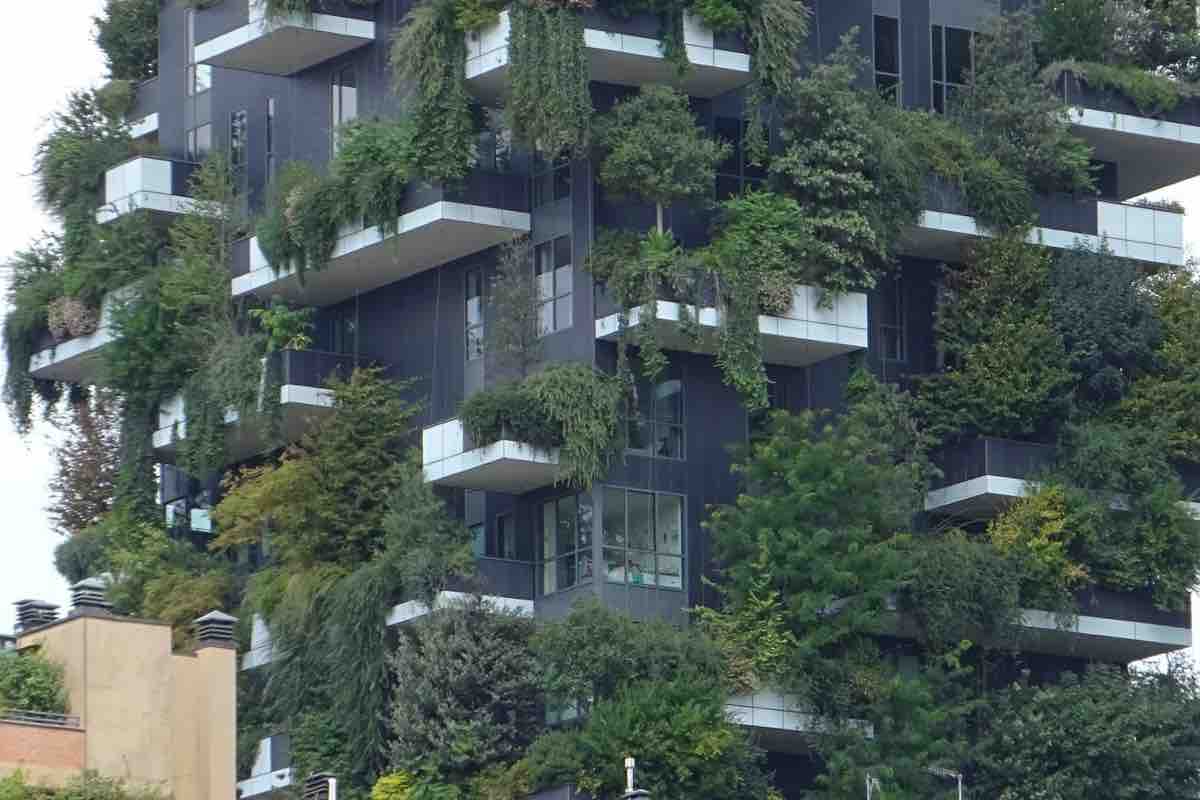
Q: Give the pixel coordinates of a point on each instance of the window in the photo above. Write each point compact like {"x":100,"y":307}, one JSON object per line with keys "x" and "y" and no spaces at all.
{"x":237,"y":150}
{"x":657,"y":427}
{"x":199,"y":76}
{"x":199,"y":142}
{"x":566,"y":543}
{"x":474,"y":315}
{"x":643,"y":538}
{"x":952,"y":50}
{"x":552,"y":271}
{"x":503,"y":541}
{"x":887,"y":56}
{"x":344,"y":94}
{"x":478,"y":540}
{"x":892,"y":330}
{"x":551,"y":181}
{"x":270,"y":139}
{"x":736,"y":174}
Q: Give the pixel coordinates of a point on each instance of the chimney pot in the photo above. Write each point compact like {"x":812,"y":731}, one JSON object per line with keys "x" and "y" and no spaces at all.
{"x":215,"y":629}
{"x":34,"y":614}
{"x":90,"y":596}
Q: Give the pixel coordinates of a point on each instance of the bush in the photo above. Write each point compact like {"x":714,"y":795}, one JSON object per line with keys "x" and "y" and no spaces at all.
{"x":128,"y":34}
{"x":31,"y":682}
{"x":571,"y":407}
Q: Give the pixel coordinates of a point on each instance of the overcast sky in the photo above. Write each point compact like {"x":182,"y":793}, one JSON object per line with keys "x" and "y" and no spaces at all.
{"x":46,"y":51}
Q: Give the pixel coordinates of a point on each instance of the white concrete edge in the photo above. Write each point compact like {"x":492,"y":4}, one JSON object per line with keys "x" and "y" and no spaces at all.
{"x":982,"y":486}
{"x":259,"y":27}
{"x":1134,"y":125}
{"x":144,"y":126}
{"x":480,"y":457}
{"x":147,"y":201}
{"x":289,"y":395}
{"x":263,"y":275}
{"x":708,"y":317}
{"x":1108,"y":628}
{"x":415,"y":609}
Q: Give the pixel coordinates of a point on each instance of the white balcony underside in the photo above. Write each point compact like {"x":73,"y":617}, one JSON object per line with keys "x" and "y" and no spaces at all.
{"x":145,"y":126}
{"x":80,"y":359}
{"x":505,"y":466}
{"x":781,"y":723}
{"x":619,"y":58}
{"x":286,"y":46}
{"x":1155,"y":238}
{"x":984,"y":496}
{"x":1150,"y":153}
{"x":154,"y":202}
{"x":808,"y":335}
{"x":365,"y":259}
{"x":300,"y":407}
{"x":262,"y":785}
{"x":1100,"y":638}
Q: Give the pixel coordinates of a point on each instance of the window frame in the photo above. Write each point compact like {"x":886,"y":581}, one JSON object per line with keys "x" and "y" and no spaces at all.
{"x":654,"y":422}
{"x":893,"y":332}
{"x":557,"y":297}
{"x":198,"y":77}
{"x":623,"y":551}
{"x":895,"y":87}
{"x":550,"y":181}
{"x":194,"y":151}
{"x":337,"y":115}
{"x":579,"y":560}
{"x":270,"y":139}
{"x":474,"y":331}
{"x":745,"y":175}
{"x":939,"y":58}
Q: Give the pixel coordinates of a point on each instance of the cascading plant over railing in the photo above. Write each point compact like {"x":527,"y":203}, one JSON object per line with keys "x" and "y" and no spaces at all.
{"x":572,"y":408}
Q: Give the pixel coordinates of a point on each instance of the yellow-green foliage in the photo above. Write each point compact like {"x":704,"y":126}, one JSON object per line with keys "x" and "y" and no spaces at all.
{"x":396,"y":786}
{"x":1038,"y":529}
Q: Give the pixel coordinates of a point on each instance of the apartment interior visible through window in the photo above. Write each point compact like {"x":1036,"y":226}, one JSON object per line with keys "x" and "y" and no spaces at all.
{"x":566,"y":542}
{"x":643,"y":538}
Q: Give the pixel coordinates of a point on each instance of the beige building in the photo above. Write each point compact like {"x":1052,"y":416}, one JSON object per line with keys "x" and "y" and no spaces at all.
{"x":138,"y":711}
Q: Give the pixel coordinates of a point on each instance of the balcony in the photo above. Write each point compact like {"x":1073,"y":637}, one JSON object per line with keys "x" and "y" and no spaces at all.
{"x":805,"y":335}
{"x":450,"y":459}
{"x":1150,"y":152}
{"x":79,"y":359}
{"x":301,"y":376}
{"x":272,"y":770}
{"x":283,"y":45}
{"x":143,"y":117}
{"x":438,"y":226}
{"x":981,"y":476}
{"x":781,"y":723}
{"x":147,"y":183}
{"x":621,"y":51}
{"x":1110,"y":626}
{"x":506,"y":585}
{"x":1150,"y":235}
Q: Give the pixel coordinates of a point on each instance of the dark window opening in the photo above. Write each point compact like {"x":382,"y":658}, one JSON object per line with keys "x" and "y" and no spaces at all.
{"x":554,"y":277}
{"x":474,"y":311}
{"x":887,"y":56}
{"x":893,"y":337}
{"x":953,"y":51}
{"x":551,"y":181}
{"x":566,"y":542}
{"x":656,"y":427}
{"x":344,"y":102}
{"x":736,"y":174}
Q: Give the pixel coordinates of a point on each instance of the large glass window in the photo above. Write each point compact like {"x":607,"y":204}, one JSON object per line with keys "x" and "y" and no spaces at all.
{"x":344,"y":101}
{"x":552,"y":269}
{"x":270,"y":139}
{"x":199,"y":142}
{"x":237,"y":150}
{"x":643,"y":538}
{"x":474,"y":310}
{"x":566,"y":542}
{"x":887,"y":56}
{"x":551,"y":181}
{"x":953,"y":60}
{"x":736,"y":173}
{"x":892,"y":330}
{"x":656,"y":427}
{"x":199,"y":76}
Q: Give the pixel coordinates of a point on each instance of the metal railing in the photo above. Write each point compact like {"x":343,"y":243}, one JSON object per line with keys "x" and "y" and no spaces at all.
{"x":987,"y":455}
{"x":39,"y":718}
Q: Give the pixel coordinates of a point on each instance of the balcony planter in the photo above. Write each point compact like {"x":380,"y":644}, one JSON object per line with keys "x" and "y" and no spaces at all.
{"x":621,"y":51}
{"x":287,"y":44}
{"x":508,"y":466}
{"x":78,"y":359}
{"x":807,"y":334}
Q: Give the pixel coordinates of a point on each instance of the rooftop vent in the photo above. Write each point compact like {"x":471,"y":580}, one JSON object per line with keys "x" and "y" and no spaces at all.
{"x":320,"y":786}
{"x":34,"y":613}
{"x":90,"y":594}
{"x":215,"y":628}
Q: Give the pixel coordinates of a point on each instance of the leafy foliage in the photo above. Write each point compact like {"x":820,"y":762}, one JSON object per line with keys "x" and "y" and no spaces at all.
{"x":511,"y":341}
{"x":88,"y":786}
{"x":654,"y":151}
{"x":300,"y":227}
{"x":466,"y":691}
{"x":1039,"y":531}
{"x":286,"y":328}
{"x":86,"y":463}
{"x":128,"y":34}
{"x":31,"y":682}
{"x":550,"y":106}
{"x":570,"y":407}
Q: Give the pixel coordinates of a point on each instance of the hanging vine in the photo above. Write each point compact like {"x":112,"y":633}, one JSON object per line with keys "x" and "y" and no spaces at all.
{"x":550,"y":107}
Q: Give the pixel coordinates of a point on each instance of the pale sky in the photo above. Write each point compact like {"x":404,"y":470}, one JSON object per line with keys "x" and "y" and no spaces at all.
{"x":46,"y":51}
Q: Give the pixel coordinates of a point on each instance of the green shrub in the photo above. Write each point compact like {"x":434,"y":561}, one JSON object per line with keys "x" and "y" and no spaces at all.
{"x":569,"y":406}
{"x":300,"y":226}
{"x":31,"y":682}
{"x":127,"y":33}
{"x":550,"y":106}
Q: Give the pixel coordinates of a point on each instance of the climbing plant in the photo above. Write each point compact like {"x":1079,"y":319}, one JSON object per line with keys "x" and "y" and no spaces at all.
{"x":549,"y":107}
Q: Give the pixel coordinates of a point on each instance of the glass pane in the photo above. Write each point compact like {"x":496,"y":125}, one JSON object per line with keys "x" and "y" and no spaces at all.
{"x":566,"y":572}
{"x":939,"y":101}
{"x":670,"y":572}
{"x":562,"y":280}
{"x":474,"y":310}
{"x":613,"y":520}
{"x":506,"y":538}
{"x":640,"y":436}
{"x":545,"y":285}
{"x":729,"y":129}
{"x":614,"y":565}
{"x":888,"y":86}
{"x":641,"y":521}
{"x":478,"y":540}
{"x":887,"y":44}
{"x":585,"y":566}
{"x":549,"y":529}
{"x":958,"y":55}
{"x":545,"y":318}
{"x":585,"y":520}
{"x":668,"y":441}
{"x":549,"y":578}
{"x":562,"y":182}
{"x":562,"y":313}
{"x":203,"y":141}
{"x":349,"y":96}
{"x":641,"y":568}
{"x":203,"y":78}
{"x":668,"y":401}
{"x":668,"y":524}
{"x":936,"y":50}
{"x":567,"y":514}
